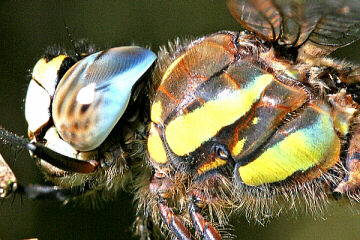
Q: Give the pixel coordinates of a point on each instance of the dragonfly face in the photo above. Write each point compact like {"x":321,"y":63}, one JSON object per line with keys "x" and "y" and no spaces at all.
{"x":71,"y":107}
{"x":75,"y":108}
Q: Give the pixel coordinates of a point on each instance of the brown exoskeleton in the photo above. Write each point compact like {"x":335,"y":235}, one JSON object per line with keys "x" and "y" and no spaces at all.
{"x":255,"y":120}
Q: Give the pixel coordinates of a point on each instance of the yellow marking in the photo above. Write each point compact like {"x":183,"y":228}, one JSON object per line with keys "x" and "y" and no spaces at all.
{"x":218,"y":162}
{"x":187,"y":132}
{"x":238,"y":147}
{"x":156,"y":111}
{"x":171,"y":67}
{"x":299,"y":151}
{"x":44,"y":70}
{"x":344,"y":127}
{"x":255,"y":120}
{"x":341,"y":125}
{"x":155,"y":146}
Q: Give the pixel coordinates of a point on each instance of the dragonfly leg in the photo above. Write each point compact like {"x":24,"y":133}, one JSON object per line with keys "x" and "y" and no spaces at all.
{"x":173,"y":222}
{"x":204,"y":228}
{"x":9,"y":185}
{"x":40,"y":192}
{"x":161,"y":185}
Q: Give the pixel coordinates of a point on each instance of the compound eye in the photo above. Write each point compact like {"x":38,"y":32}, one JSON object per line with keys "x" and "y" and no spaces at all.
{"x":94,"y":93}
{"x":222,"y":152}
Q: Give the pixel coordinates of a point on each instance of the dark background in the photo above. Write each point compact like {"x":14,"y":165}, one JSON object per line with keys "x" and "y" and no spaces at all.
{"x":28,"y":27}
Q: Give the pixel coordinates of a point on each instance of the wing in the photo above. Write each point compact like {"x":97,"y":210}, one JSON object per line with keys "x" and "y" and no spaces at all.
{"x":315,"y":27}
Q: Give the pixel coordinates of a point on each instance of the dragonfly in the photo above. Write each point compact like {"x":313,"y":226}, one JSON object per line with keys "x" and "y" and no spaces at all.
{"x":203,"y":169}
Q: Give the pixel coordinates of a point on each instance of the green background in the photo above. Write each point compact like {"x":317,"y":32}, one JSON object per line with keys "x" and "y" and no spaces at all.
{"x":28,"y":27}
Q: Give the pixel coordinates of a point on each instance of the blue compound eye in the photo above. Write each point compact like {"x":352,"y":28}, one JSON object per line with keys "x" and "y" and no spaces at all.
{"x":94,"y":93}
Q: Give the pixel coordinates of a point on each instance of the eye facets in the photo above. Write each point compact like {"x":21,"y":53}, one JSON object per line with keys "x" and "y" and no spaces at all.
{"x":91,"y":96}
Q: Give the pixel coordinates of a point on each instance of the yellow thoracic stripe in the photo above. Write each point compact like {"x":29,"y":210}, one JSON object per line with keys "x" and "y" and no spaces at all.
{"x":299,"y":151}
{"x":187,"y":132}
{"x":156,"y":111}
{"x":218,"y":162}
{"x":238,"y":147}
{"x":155,"y":146}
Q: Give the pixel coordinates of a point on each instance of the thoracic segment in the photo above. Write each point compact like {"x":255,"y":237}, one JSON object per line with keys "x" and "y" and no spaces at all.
{"x":277,"y":128}
{"x":308,"y":141}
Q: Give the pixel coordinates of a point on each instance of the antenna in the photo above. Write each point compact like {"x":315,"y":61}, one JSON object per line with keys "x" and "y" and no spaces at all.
{"x":77,"y":52}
